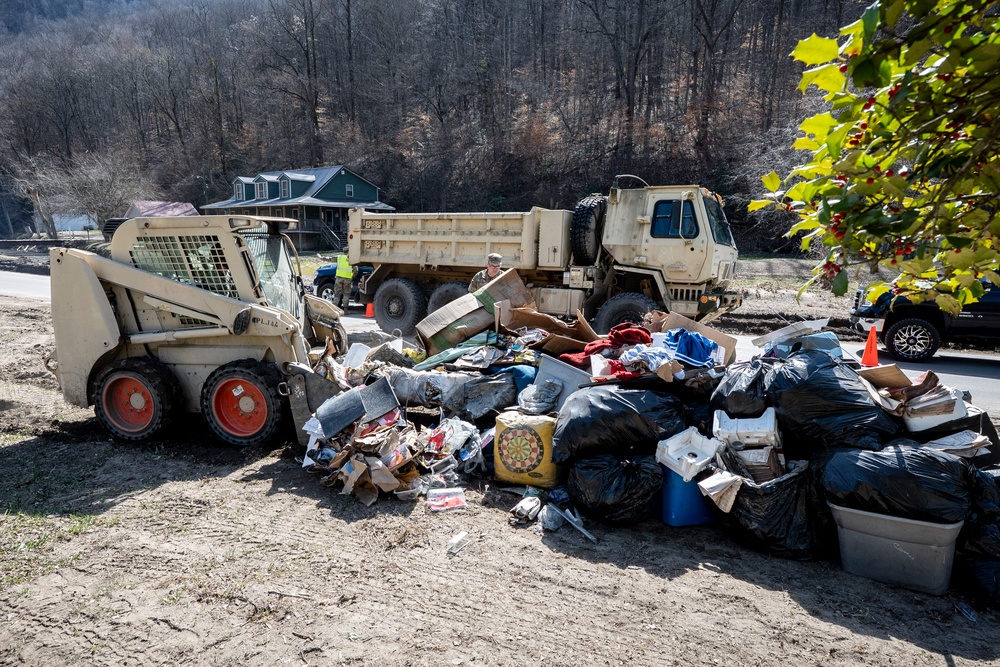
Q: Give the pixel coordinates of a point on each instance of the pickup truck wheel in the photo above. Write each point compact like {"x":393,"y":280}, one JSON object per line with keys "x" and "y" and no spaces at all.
{"x":134,"y":398}
{"x":325,"y":290}
{"x":587,"y":228}
{"x":446,"y":293}
{"x":399,"y":304}
{"x":627,"y":307}
{"x":241,"y":404}
{"x":912,"y":339}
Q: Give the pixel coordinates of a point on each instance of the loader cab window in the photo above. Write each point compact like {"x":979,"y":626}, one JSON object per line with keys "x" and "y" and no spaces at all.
{"x":275,"y":269}
{"x":721,"y":232}
{"x":673,"y":221}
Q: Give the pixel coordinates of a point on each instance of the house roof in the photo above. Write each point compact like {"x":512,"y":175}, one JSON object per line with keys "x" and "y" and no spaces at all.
{"x":318,"y":176}
{"x":150,"y":209}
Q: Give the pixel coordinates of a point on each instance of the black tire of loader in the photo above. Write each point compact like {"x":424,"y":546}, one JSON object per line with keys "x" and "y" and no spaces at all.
{"x":157,"y":379}
{"x":265,"y":378}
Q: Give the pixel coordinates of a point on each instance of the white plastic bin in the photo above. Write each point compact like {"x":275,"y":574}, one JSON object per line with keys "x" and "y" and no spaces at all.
{"x":914,"y":554}
{"x":752,"y":432}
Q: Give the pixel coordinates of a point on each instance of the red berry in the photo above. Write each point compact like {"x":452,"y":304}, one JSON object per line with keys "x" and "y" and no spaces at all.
{"x":863,"y":126}
{"x":870,"y":181}
{"x":843,"y":68}
{"x":888,"y":173}
{"x":893,"y":262}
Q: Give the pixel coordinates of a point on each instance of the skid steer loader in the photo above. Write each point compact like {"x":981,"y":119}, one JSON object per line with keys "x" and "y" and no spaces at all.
{"x":189,"y":314}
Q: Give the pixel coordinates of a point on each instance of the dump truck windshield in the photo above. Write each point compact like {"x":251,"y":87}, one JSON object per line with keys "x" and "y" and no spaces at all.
{"x":717,"y":220}
{"x":275,"y":269}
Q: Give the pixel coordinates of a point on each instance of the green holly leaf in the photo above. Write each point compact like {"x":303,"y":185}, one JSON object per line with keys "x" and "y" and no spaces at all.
{"x":772,"y":181}
{"x":814,"y":50}
{"x":840,"y":283}
{"x":758,"y":204}
{"x":827,"y":78}
{"x":949,"y":304}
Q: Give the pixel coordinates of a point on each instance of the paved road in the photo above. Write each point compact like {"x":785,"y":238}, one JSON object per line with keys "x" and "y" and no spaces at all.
{"x":977,"y":373}
{"x":25,"y":285}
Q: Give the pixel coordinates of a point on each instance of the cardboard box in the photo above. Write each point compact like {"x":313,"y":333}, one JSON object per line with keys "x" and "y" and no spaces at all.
{"x":454,"y":323}
{"x":666,"y":321}
{"x":512,"y":318}
{"x":885,"y":377}
{"x":505,"y":287}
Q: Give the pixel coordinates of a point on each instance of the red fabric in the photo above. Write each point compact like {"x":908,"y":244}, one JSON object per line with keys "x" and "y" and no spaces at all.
{"x":623,"y":334}
{"x":629,"y":333}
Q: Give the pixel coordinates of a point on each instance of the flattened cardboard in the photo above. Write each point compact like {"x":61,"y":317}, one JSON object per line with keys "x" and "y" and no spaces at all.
{"x":885,"y":377}
{"x":666,"y":371}
{"x":666,"y":321}
{"x":454,"y":323}
{"x":505,"y":287}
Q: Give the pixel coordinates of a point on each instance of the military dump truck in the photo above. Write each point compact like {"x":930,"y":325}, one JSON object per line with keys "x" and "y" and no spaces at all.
{"x":614,"y":257}
{"x":189,"y":314}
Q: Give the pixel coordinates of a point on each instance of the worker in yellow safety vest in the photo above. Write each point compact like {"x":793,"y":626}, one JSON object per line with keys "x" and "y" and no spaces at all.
{"x":342,"y":287}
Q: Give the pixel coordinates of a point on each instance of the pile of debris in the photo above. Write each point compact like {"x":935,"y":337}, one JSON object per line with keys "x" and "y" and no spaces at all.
{"x":796,"y":451}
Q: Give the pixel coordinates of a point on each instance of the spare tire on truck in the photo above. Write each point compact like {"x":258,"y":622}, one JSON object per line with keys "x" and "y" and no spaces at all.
{"x":400,"y":304}
{"x":587,"y":228}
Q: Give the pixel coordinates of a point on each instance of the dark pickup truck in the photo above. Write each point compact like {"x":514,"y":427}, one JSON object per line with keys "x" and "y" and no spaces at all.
{"x":914,"y":331}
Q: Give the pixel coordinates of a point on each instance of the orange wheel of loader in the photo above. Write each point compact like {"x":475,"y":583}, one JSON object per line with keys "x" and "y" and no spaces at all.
{"x":135,"y":397}
{"x":241,"y":404}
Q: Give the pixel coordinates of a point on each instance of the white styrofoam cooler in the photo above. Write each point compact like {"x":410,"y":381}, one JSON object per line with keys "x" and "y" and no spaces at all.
{"x":915,"y":424}
{"x":753,"y":432}
{"x":687,"y":453}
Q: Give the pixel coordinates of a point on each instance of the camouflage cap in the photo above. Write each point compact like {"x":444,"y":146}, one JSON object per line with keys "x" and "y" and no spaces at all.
{"x":494,"y":258}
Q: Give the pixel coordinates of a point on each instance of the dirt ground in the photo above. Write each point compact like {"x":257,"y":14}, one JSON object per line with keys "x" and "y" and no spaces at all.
{"x":182,"y":551}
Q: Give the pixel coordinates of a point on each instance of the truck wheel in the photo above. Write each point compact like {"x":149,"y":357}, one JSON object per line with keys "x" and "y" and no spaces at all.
{"x":241,"y":404}
{"x":134,"y":398}
{"x":912,"y":339}
{"x":325,"y":290}
{"x":587,"y":229}
{"x":446,"y":293}
{"x":627,"y":307}
{"x":399,"y":304}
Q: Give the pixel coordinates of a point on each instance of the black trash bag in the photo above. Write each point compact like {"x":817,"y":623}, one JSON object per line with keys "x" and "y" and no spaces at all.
{"x":613,"y":490}
{"x":918,"y":484}
{"x":701,"y":416}
{"x":980,"y":535}
{"x":775,"y":517}
{"x":610,"y":420}
{"x":980,"y":578}
{"x":821,"y":402}
{"x":743,"y":390}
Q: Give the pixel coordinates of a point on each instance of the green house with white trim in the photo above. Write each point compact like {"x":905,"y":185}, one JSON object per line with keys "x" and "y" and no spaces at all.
{"x":319,"y":198}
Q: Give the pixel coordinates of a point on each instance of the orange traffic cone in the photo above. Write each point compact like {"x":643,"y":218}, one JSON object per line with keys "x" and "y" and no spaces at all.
{"x":370,"y":310}
{"x":870,"y":357}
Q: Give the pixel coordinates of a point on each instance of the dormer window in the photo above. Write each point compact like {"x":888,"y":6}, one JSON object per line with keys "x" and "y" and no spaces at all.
{"x":261,"y":190}
{"x":238,"y":192}
{"x":350,"y":190}
{"x":286,"y":189}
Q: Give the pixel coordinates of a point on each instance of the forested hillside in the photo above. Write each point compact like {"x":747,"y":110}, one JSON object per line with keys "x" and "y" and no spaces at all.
{"x":447,"y":104}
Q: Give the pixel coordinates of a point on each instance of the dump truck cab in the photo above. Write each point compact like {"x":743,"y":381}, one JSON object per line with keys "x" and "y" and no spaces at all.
{"x":197,"y":314}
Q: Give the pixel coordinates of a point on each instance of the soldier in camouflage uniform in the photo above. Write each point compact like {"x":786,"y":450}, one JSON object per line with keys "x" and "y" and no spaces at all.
{"x":492,"y":270}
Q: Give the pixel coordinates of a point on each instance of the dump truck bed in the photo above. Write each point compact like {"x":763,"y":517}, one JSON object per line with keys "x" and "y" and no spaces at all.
{"x":538,"y":239}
